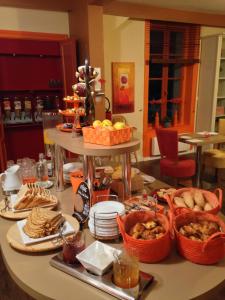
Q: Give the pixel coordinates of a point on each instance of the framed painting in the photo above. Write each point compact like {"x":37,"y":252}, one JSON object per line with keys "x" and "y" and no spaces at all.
{"x":122,"y":87}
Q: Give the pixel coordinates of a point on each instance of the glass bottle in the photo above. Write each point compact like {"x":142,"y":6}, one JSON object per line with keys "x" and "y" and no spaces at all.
{"x":42,"y":168}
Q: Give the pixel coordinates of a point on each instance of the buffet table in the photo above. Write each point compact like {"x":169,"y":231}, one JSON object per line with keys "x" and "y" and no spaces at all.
{"x":175,"y":278}
{"x":76,"y":145}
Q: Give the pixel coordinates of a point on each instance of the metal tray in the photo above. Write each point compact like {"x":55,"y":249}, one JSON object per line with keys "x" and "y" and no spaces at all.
{"x":102,"y":282}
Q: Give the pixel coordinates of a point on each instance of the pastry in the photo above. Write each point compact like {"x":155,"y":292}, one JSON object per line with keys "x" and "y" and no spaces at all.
{"x":31,"y":196}
{"x":42,"y":222}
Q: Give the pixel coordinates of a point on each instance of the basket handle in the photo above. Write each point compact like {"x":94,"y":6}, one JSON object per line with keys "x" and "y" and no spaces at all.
{"x":171,"y":219}
{"x":121,"y":227}
{"x":169,"y":201}
{"x":217,"y":234}
{"x":220,"y":196}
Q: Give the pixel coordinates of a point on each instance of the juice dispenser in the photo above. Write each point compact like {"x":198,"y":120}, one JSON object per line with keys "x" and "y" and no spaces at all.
{"x":17,"y":110}
{"x":39,"y":110}
{"x":27,"y":110}
{"x":7,"y":110}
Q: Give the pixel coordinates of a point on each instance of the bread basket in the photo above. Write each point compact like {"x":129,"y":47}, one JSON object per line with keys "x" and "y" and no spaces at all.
{"x":208,"y":252}
{"x":211,"y":197}
{"x":148,"y":251}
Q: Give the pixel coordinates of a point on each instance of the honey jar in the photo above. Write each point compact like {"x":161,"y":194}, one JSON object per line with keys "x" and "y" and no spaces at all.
{"x":126,"y":270}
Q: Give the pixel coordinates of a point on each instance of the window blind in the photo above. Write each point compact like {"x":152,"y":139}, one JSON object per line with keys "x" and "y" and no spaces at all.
{"x":173,"y":42}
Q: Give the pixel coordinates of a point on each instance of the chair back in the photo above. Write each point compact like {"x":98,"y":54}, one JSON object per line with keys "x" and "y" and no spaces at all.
{"x":168,"y":143}
{"x":222,"y":126}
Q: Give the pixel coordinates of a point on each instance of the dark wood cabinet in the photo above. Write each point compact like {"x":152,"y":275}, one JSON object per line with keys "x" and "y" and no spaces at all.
{"x":33,"y":68}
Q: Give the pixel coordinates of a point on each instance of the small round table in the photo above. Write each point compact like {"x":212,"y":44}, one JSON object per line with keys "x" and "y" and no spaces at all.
{"x":76,"y":145}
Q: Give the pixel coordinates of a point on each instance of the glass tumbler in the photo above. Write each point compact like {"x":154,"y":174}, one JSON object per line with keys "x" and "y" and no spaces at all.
{"x":126,"y":270}
{"x":72,"y":246}
{"x":28,"y":170}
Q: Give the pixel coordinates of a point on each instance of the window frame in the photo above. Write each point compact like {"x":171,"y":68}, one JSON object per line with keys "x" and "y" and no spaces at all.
{"x":188,"y":77}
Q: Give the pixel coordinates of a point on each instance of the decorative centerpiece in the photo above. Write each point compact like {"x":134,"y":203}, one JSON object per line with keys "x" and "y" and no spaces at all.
{"x":80,"y":110}
{"x":85,"y":90}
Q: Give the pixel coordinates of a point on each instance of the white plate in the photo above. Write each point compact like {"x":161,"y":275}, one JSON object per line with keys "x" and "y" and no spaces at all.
{"x":105,"y":234}
{"x":103,"y":223}
{"x":97,"y":257}
{"x":106,"y":169}
{"x":73,"y":166}
{"x":185,"y":137}
{"x":67,"y":229}
{"x":107,"y":209}
{"x":111,"y":230}
{"x":207,"y":133}
{"x":45,"y":184}
{"x":13,"y":200}
{"x":148,"y":178}
{"x":195,"y":141}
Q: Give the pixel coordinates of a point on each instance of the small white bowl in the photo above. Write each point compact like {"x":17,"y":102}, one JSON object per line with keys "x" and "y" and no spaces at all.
{"x":72,"y":166}
{"x":97,"y":258}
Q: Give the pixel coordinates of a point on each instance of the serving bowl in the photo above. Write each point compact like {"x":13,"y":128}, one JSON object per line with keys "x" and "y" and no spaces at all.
{"x":98,"y":257}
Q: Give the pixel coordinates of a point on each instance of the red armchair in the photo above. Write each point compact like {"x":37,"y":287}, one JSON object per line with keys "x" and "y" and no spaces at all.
{"x":170,"y":163}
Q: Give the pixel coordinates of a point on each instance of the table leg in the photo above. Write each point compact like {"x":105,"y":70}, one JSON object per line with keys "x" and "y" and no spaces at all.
{"x":59,"y":160}
{"x":126,"y":172}
{"x":198,"y":165}
{"x":88,"y":166}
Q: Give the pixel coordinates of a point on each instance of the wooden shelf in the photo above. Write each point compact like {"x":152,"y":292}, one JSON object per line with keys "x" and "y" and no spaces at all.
{"x":220,"y":116}
{"x":30,"y":55}
{"x":23,"y":125}
{"x":31,"y":91}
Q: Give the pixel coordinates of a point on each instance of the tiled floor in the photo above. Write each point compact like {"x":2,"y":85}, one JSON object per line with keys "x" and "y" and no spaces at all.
{"x":10,"y":291}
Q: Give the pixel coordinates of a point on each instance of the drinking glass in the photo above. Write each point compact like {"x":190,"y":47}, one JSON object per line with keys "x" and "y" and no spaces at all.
{"x":126,"y":270}
{"x":28,"y":170}
{"x":72,"y":246}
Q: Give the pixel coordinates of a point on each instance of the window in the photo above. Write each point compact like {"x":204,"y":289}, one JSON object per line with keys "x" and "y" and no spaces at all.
{"x":172,"y":48}
{"x":171,"y":69}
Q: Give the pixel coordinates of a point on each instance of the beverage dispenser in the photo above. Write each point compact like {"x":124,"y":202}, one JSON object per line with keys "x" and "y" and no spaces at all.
{"x":17,"y":110}
{"x":7,"y":110}
{"x":39,"y":110}
{"x":27,"y":110}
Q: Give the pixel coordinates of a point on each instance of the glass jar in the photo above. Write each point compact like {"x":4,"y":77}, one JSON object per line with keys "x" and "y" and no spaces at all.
{"x":126,"y":270}
{"x":72,"y":246}
{"x":42,"y":168}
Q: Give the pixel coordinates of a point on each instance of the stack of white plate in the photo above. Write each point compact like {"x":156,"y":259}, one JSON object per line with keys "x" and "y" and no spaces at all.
{"x":71,"y":167}
{"x":102,"y":219}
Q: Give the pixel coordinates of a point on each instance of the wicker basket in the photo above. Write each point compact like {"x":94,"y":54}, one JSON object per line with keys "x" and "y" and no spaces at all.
{"x":208,"y":252}
{"x":148,"y":251}
{"x":103,"y":136}
{"x":216,"y":202}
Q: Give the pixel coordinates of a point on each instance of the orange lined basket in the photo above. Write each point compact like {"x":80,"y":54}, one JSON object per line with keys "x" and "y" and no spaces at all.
{"x":76,"y":178}
{"x":103,"y":136}
{"x":208,"y":252}
{"x":216,"y":202}
{"x":100,"y":195}
{"x":148,"y":251}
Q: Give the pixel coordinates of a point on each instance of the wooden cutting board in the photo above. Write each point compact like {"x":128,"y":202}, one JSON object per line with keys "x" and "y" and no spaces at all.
{"x":14,"y":238}
{"x":19,"y":215}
